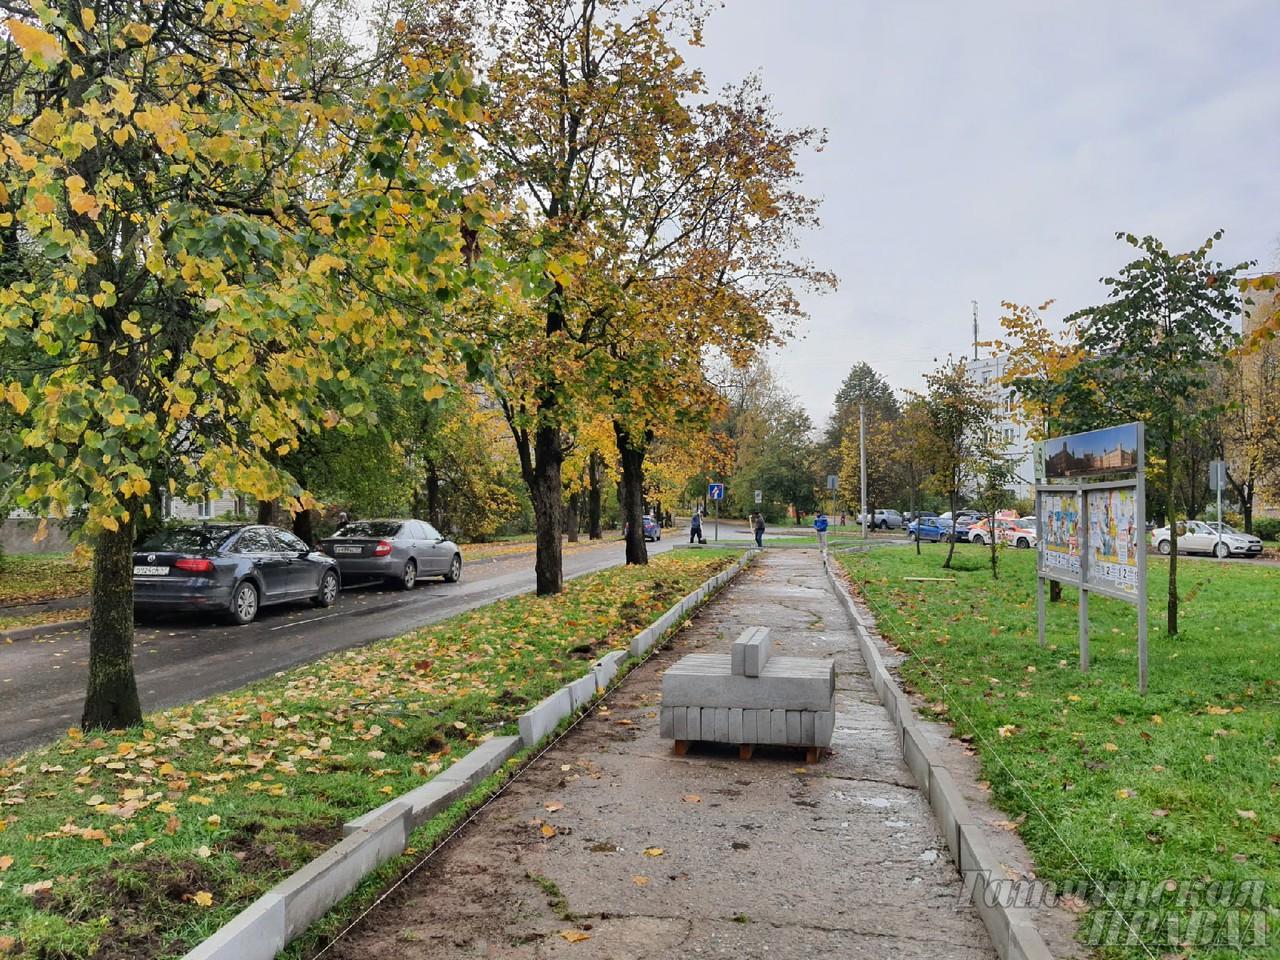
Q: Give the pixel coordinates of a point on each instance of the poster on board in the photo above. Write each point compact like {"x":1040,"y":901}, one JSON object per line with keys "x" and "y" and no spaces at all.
{"x":1060,"y":533}
{"x":1114,"y":539}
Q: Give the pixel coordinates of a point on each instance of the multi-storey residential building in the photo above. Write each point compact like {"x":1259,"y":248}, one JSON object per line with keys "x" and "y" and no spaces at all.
{"x":989,"y":372}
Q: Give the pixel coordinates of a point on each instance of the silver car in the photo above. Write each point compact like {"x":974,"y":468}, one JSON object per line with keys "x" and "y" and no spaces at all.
{"x":399,"y":551}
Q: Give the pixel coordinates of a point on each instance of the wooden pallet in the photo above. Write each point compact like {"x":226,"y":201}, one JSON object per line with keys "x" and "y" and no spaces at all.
{"x":811,"y":755}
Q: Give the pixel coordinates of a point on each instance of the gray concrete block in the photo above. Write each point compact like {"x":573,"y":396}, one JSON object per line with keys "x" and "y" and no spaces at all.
{"x":824,"y":727}
{"x":949,"y":808}
{"x":425,"y":801}
{"x":785,"y":683}
{"x":679,"y":724}
{"x":722,"y":725}
{"x":583,"y":690}
{"x":778,"y":726}
{"x":735,"y":725}
{"x":255,"y":933}
{"x":607,"y":667}
{"x":667,"y":723}
{"x":749,"y":727}
{"x":793,"y":727}
{"x":750,"y":652}
{"x":484,"y":760}
{"x":537,"y":723}
{"x":807,"y":733}
{"x":642,"y":641}
{"x":1025,"y":941}
{"x":979,"y":866}
{"x":918,"y":754}
{"x":312,"y":891}
{"x":693,"y":717}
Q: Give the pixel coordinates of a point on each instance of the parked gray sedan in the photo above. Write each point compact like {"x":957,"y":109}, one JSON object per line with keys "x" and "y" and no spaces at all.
{"x":400,"y":551}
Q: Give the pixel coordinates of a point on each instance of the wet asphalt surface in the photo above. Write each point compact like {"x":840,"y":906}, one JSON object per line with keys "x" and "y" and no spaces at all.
{"x":178,"y":659}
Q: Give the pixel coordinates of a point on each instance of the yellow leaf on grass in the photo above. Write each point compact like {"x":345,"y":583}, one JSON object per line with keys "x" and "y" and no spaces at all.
{"x":1247,"y":814}
{"x":1110,"y":747}
{"x":654,"y":851}
{"x":203,"y":899}
{"x":575,"y":936}
{"x":5,"y":863}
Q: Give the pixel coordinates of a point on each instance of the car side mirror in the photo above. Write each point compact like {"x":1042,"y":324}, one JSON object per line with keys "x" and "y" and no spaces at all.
{"x":303,"y":554}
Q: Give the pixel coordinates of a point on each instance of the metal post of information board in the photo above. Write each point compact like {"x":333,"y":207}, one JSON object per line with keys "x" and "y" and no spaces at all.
{"x":1040,"y":609}
{"x":1084,"y":579}
{"x":1140,"y":509}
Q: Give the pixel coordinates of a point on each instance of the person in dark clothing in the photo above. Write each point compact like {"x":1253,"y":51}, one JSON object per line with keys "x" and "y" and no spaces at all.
{"x":759,"y":530}
{"x":695,"y":527}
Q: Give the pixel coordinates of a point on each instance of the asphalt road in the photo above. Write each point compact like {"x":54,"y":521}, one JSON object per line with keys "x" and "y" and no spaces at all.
{"x":180,"y":659}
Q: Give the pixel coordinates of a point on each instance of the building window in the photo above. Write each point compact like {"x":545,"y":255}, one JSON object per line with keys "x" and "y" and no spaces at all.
{"x":204,"y":509}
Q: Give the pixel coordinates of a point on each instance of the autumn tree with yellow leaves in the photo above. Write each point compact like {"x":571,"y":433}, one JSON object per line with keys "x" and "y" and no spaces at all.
{"x":217,"y":233}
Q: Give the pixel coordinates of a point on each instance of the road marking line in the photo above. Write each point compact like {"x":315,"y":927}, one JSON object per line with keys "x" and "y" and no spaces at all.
{"x":298,"y":623}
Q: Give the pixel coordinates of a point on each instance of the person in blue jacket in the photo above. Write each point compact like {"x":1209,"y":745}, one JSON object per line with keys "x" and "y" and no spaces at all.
{"x":820,"y":526}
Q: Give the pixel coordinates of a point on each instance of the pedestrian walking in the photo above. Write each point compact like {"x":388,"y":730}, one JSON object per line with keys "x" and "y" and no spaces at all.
{"x":695,"y":527}
{"x":820,"y":527}
{"x":842,"y":518}
{"x":759,"y":530}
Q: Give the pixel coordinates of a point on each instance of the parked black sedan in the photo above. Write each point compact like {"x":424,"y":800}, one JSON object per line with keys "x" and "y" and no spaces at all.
{"x":229,"y":569}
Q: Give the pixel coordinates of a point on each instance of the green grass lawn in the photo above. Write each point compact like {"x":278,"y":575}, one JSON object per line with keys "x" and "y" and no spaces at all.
{"x":140,"y":844}
{"x":27,"y":578}
{"x":1177,"y":788}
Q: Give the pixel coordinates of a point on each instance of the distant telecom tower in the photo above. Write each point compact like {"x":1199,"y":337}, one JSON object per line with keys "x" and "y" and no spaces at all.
{"x":975,"y":328}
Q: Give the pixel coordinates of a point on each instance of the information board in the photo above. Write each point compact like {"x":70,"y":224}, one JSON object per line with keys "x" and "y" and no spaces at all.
{"x":1114,"y":539}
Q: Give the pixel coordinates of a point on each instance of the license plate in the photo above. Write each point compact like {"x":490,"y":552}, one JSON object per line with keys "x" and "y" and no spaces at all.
{"x":143,"y":571}
{"x":347,"y":549}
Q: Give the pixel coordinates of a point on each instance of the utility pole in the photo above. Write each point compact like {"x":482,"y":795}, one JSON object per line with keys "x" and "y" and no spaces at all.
{"x":975,"y":328}
{"x":862,"y":458}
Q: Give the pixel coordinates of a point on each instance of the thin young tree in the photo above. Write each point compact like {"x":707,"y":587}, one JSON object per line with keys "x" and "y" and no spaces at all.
{"x":1152,"y":348}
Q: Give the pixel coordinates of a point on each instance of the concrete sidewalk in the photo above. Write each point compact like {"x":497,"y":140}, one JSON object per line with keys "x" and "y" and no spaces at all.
{"x":657,"y":856}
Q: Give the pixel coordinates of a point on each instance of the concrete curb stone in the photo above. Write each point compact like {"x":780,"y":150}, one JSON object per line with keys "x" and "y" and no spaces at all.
{"x":255,"y":933}
{"x":1012,"y":931}
{"x":545,"y":717}
{"x":40,"y":629}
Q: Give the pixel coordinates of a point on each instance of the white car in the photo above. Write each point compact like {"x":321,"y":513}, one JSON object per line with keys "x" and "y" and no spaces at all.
{"x":884,"y":520}
{"x":1195,"y":536}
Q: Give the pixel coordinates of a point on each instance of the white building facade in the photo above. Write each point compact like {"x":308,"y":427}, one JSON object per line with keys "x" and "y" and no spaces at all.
{"x":989,"y":372}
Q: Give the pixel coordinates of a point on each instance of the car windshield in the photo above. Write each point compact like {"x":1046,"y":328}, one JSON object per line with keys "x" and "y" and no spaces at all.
{"x":187,"y":539}
{"x":370,"y":528}
{"x":1227,"y":528}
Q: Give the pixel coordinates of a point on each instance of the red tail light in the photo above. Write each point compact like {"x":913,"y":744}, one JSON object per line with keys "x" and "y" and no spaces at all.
{"x":194,"y":565}
{"x":383,"y":549}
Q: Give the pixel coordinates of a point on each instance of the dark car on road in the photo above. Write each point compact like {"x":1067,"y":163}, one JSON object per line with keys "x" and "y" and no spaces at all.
{"x":229,"y":569}
{"x":399,"y":551}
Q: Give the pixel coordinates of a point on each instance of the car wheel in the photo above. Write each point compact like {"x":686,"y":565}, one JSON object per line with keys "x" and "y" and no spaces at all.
{"x":1221,"y":550}
{"x":1023,"y":543}
{"x":244,"y":604}
{"x":1163,"y":547}
{"x":455,"y":570}
{"x":977,"y":538}
{"x":328,"y":594}
{"x":408,"y":576}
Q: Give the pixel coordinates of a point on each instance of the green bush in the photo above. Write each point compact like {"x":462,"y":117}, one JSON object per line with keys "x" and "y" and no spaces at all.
{"x":1268,"y":528}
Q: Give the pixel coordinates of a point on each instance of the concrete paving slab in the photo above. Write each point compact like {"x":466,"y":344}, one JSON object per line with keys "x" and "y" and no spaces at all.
{"x":766,"y":858}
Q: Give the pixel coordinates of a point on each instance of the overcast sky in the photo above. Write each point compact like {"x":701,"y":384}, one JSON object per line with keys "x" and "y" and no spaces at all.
{"x":989,"y":151}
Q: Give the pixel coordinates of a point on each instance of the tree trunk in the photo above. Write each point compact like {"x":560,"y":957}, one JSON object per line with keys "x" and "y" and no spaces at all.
{"x":571,"y":516}
{"x":266,"y":511}
{"x":433,"y":496}
{"x":595,"y":476}
{"x":1173,"y":535}
{"x":546,"y":492}
{"x":951,"y":540}
{"x":1246,"y":508}
{"x":111,"y":700}
{"x":632,"y":495}
{"x":304,"y":526}
{"x":915,"y":519}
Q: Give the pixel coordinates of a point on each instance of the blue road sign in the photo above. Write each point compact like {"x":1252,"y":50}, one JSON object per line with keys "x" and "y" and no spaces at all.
{"x":715,"y":491}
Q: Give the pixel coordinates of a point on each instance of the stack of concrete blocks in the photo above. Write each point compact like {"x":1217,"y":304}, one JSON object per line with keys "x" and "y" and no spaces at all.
{"x":749,"y":697}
